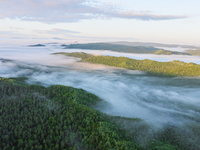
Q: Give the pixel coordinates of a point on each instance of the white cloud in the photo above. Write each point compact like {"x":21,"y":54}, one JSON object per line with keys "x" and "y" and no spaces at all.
{"x":50,"y":11}
{"x":16,"y":28}
{"x":145,"y":16}
{"x":11,"y":33}
{"x":56,"y":31}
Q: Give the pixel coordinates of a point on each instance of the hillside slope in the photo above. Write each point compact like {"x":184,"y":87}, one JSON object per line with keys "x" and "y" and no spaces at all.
{"x":62,"y":118}
{"x":173,"y":68}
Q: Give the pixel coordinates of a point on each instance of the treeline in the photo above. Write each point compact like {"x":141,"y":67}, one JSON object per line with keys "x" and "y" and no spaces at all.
{"x":33,"y":117}
{"x":75,"y":54}
{"x":169,"y":69}
{"x":167,"y":52}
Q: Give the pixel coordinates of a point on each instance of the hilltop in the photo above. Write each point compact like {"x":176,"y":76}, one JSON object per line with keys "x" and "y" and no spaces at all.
{"x":170,"y":69}
{"x":37,"y":45}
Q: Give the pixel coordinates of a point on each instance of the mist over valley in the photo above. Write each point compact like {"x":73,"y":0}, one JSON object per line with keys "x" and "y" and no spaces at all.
{"x":99,"y":75}
{"x":161,"y":102}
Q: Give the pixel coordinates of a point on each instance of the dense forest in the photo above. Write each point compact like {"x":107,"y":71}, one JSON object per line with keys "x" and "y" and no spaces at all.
{"x":123,"y":48}
{"x":170,"y":69}
{"x":58,"y":117}
{"x":61,"y":117}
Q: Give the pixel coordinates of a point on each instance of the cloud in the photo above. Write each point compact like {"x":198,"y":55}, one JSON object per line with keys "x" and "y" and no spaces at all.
{"x":52,"y":36}
{"x":11,"y":33}
{"x":56,"y":38}
{"x":145,"y":16}
{"x":35,"y":38}
{"x":50,"y":11}
{"x":56,"y":31}
{"x":16,"y":28}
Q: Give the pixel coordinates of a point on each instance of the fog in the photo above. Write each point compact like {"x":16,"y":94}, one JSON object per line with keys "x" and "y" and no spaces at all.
{"x":175,"y":49}
{"x":129,"y":93}
{"x":161,"y":58}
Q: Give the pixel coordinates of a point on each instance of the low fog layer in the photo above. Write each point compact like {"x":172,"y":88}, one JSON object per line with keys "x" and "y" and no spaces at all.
{"x":175,"y":49}
{"x":161,"y":58}
{"x":129,"y":93}
{"x":36,"y":54}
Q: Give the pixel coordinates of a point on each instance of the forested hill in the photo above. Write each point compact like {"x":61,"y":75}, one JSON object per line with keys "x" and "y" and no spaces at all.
{"x":122,"y":48}
{"x":173,"y":68}
{"x":33,"y":117}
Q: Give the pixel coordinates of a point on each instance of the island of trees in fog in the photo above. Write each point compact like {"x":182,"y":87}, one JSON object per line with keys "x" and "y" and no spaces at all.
{"x":170,"y":69}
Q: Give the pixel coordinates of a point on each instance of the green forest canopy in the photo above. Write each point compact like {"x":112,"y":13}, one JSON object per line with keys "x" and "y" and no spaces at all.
{"x":62,"y":118}
{"x":172,"y":68}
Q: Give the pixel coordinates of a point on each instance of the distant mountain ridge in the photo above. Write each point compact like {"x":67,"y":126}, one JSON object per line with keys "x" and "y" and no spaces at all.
{"x":194,"y":52}
{"x":122,"y":48}
{"x":37,"y":45}
{"x":154,"y":44}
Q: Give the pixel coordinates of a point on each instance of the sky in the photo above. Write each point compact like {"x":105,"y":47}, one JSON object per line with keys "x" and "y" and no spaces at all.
{"x":82,"y":21}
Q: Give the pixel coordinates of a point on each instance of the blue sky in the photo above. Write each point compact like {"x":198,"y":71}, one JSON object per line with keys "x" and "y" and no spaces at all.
{"x":65,"y":21}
